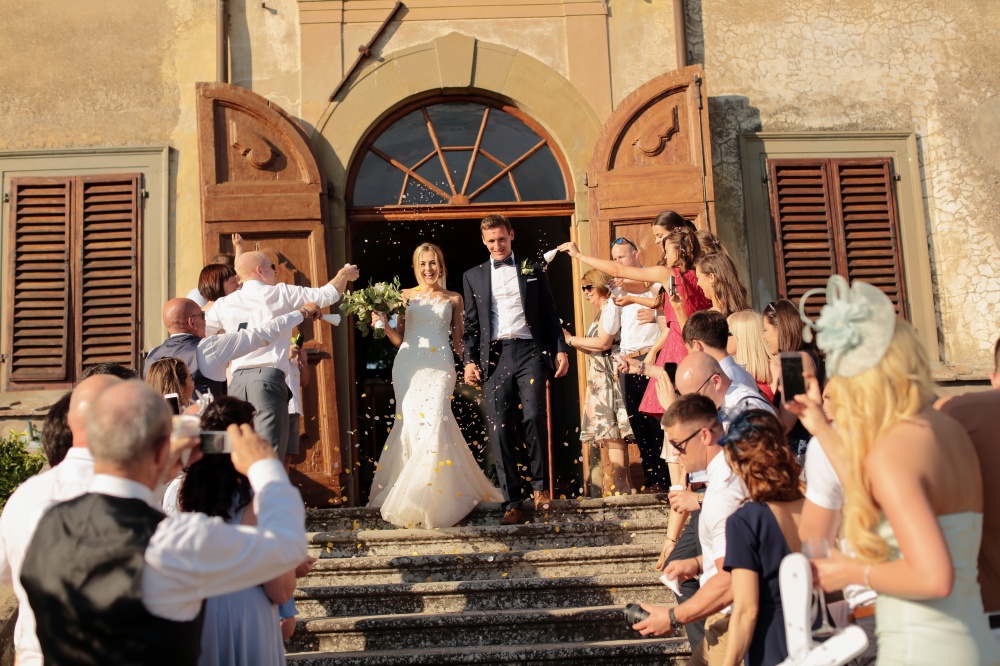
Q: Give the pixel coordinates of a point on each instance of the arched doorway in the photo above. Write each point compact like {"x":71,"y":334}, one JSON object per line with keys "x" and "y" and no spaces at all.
{"x":430,"y":171}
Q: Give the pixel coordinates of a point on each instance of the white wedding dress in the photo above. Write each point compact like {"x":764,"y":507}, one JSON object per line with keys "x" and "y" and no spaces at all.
{"x":426,"y":475}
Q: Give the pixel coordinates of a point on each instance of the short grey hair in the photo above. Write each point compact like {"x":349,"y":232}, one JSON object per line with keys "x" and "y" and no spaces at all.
{"x":125,"y":423}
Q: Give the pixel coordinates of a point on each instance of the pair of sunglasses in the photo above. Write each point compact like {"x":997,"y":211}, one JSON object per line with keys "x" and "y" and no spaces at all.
{"x":587,"y":288}
{"x":622,"y":241}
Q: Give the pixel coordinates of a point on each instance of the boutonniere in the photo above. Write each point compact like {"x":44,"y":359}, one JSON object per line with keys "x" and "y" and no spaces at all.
{"x":526,"y":268}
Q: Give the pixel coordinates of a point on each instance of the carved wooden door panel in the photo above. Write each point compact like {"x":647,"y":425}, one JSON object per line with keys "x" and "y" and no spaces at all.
{"x":259,"y":178}
{"x":653,"y":154}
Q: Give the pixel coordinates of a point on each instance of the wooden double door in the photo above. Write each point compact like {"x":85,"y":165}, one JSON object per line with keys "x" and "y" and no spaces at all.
{"x":260,"y":179}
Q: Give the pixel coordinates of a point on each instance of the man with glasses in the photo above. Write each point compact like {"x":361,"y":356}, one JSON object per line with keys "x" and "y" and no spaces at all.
{"x":700,"y":373}
{"x":692,"y":426}
{"x":260,"y":376}
{"x":638,"y":333}
{"x":206,"y":358}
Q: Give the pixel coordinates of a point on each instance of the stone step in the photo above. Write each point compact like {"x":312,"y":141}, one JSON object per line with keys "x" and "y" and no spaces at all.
{"x":482,"y":595}
{"x":672,"y":651}
{"x":498,"y":538}
{"x":483,"y":566}
{"x":625,"y":507}
{"x":419,"y":631}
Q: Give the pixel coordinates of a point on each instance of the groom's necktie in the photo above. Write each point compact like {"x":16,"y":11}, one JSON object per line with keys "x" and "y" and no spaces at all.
{"x":509,"y":261}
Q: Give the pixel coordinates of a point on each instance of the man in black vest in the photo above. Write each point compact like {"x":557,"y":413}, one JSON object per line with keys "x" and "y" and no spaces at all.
{"x":206,"y":358}
{"x":513,"y":344}
{"x":112,"y":580}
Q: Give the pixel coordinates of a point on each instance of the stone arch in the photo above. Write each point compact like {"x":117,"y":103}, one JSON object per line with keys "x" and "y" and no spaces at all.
{"x":461,"y":64}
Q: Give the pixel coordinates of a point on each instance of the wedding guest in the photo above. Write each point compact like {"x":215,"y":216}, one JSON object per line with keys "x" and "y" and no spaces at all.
{"x":113,"y":369}
{"x":216,"y":281}
{"x":207,"y":356}
{"x":977,"y":411}
{"x":914,"y":510}
{"x":710,"y":243}
{"x":693,"y":428}
{"x":171,"y":375}
{"x":57,"y":438}
{"x":298,"y":376}
{"x":637,"y":338}
{"x":259,"y":377}
{"x":139,"y":579}
{"x":759,"y":535}
{"x":708,"y":331}
{"x":749,"y":349}
{"x":604,"y":419}
{"x":224,"y":259}
{"x":666,"y":222}
{"x":240,"y":627}
{"x":718,"y":280}
{"x":700,"y":373}
{"x":26,"y":506}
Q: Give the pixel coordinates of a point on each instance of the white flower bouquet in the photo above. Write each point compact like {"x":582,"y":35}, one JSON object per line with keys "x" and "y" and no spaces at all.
{"x":382,"y":297}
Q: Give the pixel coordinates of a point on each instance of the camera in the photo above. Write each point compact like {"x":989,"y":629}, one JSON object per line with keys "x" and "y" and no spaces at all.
{"x":634,"y":613}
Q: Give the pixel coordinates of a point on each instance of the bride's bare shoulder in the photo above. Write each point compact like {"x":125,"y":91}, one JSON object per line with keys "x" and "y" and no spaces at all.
{"x":453,"y":296}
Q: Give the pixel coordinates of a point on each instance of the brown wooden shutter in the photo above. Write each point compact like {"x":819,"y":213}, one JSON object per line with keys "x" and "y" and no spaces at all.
{"x":835,"y":216}
{"x":870,"y":223}
{"x":107,"y":290}
{"x":802,"y":212}
{"x":38,"y":285}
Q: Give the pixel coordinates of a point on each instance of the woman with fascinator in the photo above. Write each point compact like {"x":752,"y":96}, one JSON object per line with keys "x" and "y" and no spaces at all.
{"x":914,"y":511}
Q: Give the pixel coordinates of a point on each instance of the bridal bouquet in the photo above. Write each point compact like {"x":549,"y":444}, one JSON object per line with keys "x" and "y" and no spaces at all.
{"x":379,"y":297}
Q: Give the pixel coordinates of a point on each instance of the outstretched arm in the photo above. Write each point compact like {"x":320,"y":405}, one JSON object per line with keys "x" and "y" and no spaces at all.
{"x":659,"y":274}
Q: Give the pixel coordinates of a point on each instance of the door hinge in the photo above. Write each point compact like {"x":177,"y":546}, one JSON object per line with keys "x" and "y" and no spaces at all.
{"x":697,"y":91}
{"x":3,"y":358}
{"x":6,"y":197}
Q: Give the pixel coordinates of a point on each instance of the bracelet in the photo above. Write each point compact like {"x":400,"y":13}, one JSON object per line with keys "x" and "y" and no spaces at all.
{"x":671,"y":540}
{"x":868,"y":583}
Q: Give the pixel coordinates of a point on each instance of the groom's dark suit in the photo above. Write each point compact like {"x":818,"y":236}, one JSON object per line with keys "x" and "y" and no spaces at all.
{"x":513,"y":370}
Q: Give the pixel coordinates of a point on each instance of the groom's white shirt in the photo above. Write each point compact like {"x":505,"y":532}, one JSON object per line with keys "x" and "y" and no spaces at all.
{"x":507,"y":320}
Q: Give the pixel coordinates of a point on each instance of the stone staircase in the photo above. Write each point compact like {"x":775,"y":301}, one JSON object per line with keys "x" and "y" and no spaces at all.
{"x":550,"y":591}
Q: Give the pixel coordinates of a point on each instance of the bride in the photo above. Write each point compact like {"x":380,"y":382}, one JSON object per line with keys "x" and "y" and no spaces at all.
{"x":426,"y":475}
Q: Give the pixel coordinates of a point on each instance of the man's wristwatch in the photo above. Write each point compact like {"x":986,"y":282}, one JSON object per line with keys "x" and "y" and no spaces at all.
{"x":675,"y":626}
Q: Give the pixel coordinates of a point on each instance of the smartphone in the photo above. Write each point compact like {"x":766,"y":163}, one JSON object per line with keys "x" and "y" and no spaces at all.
{"x":216,"y":441}
{"x":671,"y":369}
{"x":792,"y":382}
{"x":672,"y":286}
{"x":242,"y":326}
{"x":174,"y":401}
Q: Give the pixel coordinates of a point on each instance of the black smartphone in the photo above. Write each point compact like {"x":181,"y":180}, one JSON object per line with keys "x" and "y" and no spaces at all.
{"x":672,"y":286}
{"x":216,"y":441}
{"x":174,"y":401}
{"x":671,"y":369}
{"x":242,"y":325}
{"x":792,"y":382}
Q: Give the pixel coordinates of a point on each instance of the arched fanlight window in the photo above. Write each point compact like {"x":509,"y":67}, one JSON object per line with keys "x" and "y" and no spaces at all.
{"x":457,"y":153}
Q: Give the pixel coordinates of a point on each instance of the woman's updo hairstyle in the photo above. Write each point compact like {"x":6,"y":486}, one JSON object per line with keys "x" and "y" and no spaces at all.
{"x":757,"y":452}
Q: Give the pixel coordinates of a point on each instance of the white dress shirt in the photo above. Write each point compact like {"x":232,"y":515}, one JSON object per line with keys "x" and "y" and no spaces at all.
{"x":70,"y":478}
{"x":216,"y":351}
{"x":724,"y":494}
{"x":195,"y":295}
{"x":507,"y":321}
{"x":823,"y":488}
{"x":738,"y":374}
{"x":192,"y":557}
{"x":740,"y":398}
{"x":637,"y":335}
{"x":256,"y":304}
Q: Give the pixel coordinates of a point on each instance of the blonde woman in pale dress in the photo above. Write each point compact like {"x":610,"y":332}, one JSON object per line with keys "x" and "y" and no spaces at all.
{"x":426,"y":476}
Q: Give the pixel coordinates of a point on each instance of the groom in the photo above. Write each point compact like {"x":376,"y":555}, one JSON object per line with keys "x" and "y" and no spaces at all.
{"x":513,"y":342}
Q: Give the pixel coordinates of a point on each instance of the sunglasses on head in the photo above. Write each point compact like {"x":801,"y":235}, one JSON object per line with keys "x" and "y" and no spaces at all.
{"x":622,"y":241}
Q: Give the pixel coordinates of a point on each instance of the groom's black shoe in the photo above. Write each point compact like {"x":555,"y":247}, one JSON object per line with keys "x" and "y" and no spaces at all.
{"x":512,"y":517}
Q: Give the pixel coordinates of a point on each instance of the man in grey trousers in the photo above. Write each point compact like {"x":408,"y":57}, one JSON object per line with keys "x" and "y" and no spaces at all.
{"x":259,"y":377}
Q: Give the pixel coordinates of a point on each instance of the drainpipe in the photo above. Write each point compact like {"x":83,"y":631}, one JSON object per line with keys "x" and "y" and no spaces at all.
{"x":221,"y":64}
{"x":680,"y":34}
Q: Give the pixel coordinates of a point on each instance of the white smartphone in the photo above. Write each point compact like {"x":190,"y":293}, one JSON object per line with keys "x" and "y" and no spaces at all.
{"x":216,"y":441}
{"x":174,"y":401}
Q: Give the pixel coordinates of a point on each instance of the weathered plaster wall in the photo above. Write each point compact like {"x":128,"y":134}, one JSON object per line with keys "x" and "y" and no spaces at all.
{"x":927,"y":66}
{"x":641,"y":36}
{"x":264,"y":50}
{"x":111,"y":73}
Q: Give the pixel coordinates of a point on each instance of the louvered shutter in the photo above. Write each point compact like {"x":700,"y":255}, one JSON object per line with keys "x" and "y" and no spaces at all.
{"x":107,"y":288}
{"x":804,"y":237}
{"x":38,"y":288}
{"x":870,"y":223}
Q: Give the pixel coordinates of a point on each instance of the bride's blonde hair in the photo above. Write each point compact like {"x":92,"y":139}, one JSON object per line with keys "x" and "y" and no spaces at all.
{"x":865,"y":408}
{"x":442,"y":269}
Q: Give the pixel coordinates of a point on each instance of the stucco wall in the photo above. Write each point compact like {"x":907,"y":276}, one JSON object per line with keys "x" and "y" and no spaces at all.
{"x":925,"y":66}
{"x":111,"y":73}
